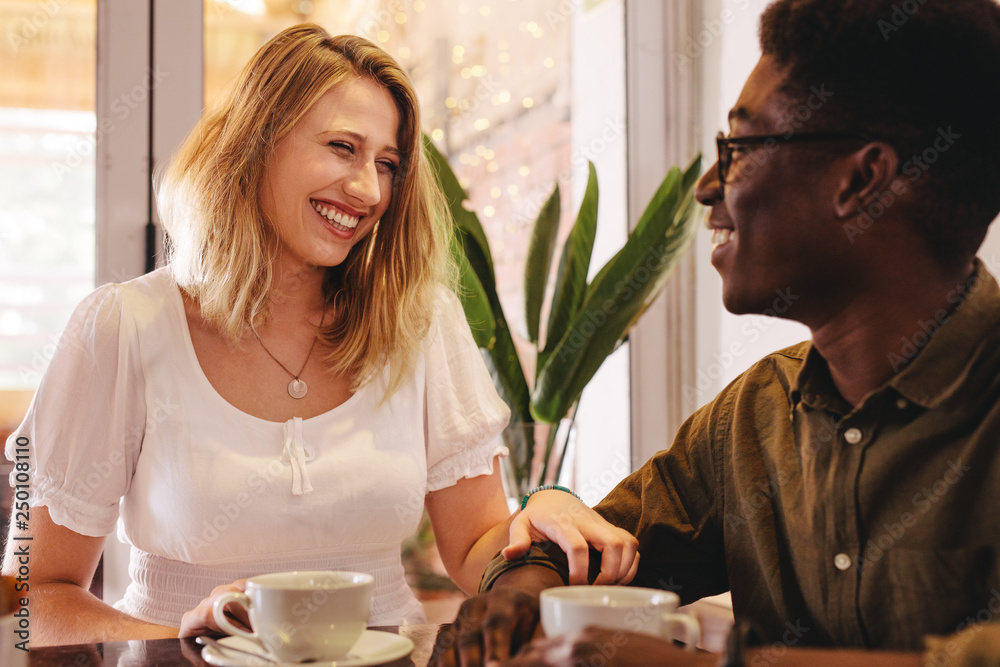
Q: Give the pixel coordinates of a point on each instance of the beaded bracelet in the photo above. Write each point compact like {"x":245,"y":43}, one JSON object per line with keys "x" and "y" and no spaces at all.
{"x":546,"y":487}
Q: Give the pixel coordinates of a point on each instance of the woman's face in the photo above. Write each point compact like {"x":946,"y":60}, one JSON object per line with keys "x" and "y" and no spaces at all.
{"x":330,"y":178}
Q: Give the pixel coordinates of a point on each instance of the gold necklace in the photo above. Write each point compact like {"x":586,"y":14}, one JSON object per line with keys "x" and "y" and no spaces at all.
{"x":296,"y":388}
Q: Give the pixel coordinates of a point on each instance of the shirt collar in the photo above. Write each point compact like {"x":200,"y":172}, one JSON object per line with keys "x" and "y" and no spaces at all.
{"x":814,"y":387}
{"x":934,"y":360}
{"x":943,"y":350}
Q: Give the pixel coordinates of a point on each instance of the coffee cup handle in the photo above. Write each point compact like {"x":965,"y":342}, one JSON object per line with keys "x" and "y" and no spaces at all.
{"x":219,"y":613}
{"x":692,"y":634}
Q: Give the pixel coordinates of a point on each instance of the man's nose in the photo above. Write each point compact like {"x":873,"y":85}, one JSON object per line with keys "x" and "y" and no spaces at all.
{"x":708,"y":190}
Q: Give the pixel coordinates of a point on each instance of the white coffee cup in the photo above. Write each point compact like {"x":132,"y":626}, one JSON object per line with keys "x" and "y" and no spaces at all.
{"x":569,"y":609}
{"x":302,"y":616}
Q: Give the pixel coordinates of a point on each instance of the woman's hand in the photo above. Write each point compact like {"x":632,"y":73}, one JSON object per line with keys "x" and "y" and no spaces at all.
{"x":201,"y":619}
{"x":559,"y":517}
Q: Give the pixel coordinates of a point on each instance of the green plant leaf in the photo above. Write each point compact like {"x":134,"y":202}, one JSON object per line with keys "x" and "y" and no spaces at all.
{"x":465,"y":220}
{"x":502,"y":358}
{"x":571,"y":278}
{"x":475,"y":302}
{"x":621,"y":291}
{"x":536,"y":266}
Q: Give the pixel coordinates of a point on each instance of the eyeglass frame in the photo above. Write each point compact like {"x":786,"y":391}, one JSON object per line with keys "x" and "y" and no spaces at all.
{"x":724,"y":145}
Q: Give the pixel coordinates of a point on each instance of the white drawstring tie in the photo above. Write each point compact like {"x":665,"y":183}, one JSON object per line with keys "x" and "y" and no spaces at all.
{"x":296,"y":454}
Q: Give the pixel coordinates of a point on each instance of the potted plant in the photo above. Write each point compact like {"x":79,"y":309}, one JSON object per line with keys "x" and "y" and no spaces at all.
{"x":586,"y":321}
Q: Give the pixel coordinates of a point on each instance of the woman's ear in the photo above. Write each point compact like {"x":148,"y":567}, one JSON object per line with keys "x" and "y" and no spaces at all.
{"x":870,"y":173}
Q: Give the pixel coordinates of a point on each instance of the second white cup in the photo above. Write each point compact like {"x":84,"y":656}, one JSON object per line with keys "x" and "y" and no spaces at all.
{"x":569,"y":609}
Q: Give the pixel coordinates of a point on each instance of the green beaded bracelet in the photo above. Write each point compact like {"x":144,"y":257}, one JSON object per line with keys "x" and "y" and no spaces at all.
{"x":546,"y":487}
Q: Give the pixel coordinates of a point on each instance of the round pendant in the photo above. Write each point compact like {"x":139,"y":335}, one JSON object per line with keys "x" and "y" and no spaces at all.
{"x":297,"y":388}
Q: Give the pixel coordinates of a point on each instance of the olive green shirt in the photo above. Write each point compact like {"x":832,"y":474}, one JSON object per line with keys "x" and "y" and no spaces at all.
{"x":871,"y":526}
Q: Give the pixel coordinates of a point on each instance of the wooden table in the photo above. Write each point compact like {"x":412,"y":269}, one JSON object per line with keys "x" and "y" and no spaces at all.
{"x":169,"y":652}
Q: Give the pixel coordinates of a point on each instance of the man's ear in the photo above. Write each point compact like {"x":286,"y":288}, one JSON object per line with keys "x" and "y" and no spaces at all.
{"x":870,"y":173}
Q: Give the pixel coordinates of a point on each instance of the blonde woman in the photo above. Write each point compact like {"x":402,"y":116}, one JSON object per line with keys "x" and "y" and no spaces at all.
{"x":294,"y":387}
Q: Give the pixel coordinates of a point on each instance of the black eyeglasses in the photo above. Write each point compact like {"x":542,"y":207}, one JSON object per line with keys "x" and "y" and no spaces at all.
{"x":725,"y":145}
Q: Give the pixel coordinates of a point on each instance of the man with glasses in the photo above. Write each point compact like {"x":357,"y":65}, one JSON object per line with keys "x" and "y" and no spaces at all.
{"x":842,"y":489}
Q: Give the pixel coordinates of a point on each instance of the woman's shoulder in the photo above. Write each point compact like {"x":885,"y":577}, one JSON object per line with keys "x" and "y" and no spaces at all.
{"x":447,"y":314}
{"x":144,"y":298}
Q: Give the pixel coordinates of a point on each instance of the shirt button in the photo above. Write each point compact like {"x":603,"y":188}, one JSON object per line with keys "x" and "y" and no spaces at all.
{"x":853,"y":435}
{"x":902,"y":404}
{"x":842,"y":561}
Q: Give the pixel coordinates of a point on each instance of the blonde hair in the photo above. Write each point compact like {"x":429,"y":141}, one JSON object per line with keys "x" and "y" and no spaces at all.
{"x":221,"y":247}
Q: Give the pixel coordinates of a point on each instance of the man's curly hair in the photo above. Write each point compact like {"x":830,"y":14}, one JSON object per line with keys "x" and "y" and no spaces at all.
{"x":907,"y":71}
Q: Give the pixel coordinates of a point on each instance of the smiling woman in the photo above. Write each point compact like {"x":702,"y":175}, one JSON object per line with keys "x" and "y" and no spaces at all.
{"x":302,"y":218}
{"x":334,"y":168}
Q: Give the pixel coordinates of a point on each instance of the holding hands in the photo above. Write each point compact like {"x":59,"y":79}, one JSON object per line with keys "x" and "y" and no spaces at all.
{"x":559,"y":517}
{"x":495,"y":626}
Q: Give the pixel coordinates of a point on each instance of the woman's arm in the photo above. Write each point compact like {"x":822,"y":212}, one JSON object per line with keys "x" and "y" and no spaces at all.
{"x":470,"y":520}
{"x":472,"y":523}
{"x":61,"y":566}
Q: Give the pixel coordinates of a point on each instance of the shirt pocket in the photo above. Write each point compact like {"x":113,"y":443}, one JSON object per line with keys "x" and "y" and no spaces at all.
{"x":909,"y":593}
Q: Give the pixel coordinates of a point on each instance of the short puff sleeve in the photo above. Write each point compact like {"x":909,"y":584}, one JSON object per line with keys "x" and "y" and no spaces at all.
{"x":84,"y":427}
{"x":465,"y":415}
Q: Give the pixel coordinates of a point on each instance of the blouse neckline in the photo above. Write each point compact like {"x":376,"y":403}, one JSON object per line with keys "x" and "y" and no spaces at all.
{"x":199,"y":372}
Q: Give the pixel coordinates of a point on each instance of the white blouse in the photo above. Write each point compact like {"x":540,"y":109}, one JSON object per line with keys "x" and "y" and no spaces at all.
{"x":126,"y":428}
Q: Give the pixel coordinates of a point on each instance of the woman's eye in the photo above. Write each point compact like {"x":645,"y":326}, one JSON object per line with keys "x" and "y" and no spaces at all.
{"x":342,"y":146}
{"x":387,"y":166}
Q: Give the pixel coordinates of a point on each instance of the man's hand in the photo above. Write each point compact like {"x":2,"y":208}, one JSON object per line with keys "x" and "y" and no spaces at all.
{"x":559,"y":517}
{"x":612,"y":648}
{"x":488,"y":630}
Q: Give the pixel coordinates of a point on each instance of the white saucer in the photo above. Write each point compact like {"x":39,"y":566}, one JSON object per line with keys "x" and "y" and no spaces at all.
{"x":373,"y":648}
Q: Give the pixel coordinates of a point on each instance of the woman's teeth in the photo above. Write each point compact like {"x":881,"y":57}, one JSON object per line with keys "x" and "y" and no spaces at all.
{"x":333,"y":215}
{"x":723,"y":236}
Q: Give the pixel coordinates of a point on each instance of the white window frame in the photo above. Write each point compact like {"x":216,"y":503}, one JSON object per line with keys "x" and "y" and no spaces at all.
{"x":664,"y":130}
{"x":149,"y":75}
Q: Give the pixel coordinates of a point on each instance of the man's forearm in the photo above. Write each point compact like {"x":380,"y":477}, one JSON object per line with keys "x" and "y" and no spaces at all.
{"x":547,"y":557}
{"x":531,"y":579}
